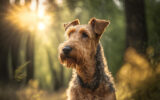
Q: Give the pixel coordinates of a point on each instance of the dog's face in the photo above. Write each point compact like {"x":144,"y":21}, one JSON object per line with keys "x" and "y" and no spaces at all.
{"x":81,"y":43}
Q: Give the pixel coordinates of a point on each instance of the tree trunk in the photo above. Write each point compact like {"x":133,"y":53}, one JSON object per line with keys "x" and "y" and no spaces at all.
{"x":30,"y":57}
{"x":54,"y":74}
{"x":4,"y":47}
{"x":136,"y":35}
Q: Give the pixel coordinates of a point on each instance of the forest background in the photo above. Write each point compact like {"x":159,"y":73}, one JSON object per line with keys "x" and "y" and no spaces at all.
{"x":31,"y":30}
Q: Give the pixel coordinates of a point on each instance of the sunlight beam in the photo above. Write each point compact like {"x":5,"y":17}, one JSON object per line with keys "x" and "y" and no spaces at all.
{"x":33,"y":5}
{"x":41,"y":26}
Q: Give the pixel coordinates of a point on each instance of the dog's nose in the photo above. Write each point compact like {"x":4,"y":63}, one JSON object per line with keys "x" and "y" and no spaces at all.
{"x":67,"y":49}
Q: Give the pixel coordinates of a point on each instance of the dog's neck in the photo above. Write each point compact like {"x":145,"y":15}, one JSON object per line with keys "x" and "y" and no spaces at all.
{"x":92,"y":76}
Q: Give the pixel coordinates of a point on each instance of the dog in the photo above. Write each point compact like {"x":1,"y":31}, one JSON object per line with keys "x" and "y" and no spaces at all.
{"x":83,"y":52}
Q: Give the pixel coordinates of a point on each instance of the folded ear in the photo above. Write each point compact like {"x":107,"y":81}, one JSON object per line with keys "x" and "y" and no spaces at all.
{"x":98,"y":25}
{"x":73,"y":23}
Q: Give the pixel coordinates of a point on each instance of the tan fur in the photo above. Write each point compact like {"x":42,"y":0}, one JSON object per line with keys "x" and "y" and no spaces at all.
{"x":82,"y":59}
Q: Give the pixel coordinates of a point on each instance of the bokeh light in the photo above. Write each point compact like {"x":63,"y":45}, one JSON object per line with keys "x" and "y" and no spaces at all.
{"x":41,"y":26}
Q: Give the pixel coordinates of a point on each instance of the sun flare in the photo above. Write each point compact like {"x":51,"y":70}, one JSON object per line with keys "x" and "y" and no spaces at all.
{"x":34,"y":18}
{"x":41,"y":26}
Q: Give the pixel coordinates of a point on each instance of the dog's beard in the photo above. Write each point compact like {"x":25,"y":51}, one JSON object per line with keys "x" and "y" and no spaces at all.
{"x":70,"y":62}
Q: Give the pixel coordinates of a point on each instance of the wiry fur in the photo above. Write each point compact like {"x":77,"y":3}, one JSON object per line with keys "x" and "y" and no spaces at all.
{"x":91,"y":79}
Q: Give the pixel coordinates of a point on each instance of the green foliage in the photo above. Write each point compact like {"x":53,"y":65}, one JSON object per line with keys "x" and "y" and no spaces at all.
{"x":20,"y":73}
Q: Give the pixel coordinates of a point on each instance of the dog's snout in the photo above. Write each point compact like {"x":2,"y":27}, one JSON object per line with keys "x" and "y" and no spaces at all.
{"x":67,"y":49}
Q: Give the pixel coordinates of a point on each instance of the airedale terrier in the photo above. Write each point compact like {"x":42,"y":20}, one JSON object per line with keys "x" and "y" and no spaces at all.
{"x":83,"y":52}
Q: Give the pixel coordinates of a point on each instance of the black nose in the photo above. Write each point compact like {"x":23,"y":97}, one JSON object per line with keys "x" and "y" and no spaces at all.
{"x":67,"y":49}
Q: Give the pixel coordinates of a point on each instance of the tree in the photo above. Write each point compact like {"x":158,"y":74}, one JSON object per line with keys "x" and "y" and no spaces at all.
{"x":136,"y":33}
{"x":30,"y":57}
{"x":4,"y":47}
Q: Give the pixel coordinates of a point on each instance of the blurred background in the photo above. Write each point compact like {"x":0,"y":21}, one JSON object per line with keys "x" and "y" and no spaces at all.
{"x":31,"y":30}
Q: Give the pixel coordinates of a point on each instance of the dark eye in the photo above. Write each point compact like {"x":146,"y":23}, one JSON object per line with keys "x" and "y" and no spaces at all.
{"x":84,"y":35}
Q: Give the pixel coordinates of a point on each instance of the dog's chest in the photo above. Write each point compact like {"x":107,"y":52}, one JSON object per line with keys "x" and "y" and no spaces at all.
{"x":92,"y":97}
{"x":86,"y":94}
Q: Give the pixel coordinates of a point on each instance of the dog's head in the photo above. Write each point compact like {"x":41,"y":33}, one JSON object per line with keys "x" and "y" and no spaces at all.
{"x":82,"y":41}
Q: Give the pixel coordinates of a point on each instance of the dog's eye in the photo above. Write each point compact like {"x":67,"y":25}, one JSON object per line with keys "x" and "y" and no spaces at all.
{"x":84,"y":35}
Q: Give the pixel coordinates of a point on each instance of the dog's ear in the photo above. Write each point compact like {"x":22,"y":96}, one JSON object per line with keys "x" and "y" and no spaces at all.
{"x":98,"y":25}
{"x":73,"y":23}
